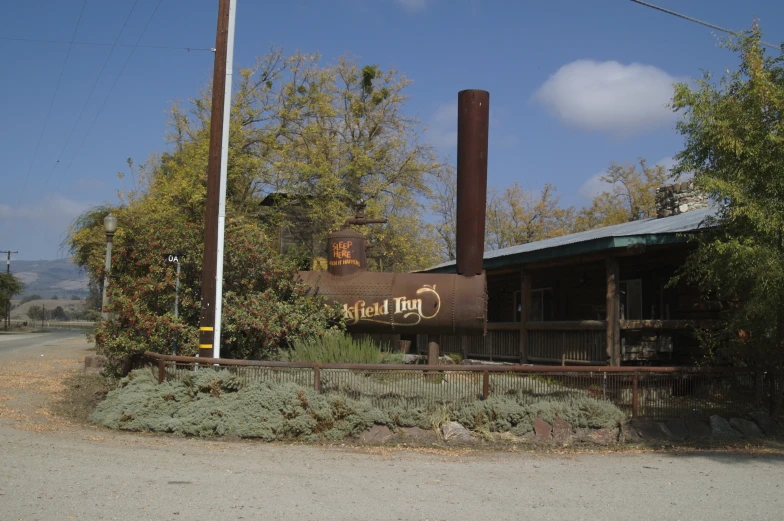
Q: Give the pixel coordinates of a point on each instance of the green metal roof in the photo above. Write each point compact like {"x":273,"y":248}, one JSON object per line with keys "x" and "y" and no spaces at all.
{"x":649,"y":232}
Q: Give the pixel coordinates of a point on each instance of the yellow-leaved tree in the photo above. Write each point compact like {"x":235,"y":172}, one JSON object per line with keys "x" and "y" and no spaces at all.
{"x":629,"y":196}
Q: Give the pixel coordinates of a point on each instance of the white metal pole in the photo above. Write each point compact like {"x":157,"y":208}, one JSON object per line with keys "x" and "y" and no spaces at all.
{"x":223,"y":174}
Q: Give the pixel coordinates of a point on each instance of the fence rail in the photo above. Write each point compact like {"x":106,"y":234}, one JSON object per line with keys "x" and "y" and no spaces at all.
{"x":645,"y":392}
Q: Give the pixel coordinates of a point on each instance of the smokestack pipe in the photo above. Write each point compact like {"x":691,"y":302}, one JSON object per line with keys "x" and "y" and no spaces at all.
{"x":473,"y":117}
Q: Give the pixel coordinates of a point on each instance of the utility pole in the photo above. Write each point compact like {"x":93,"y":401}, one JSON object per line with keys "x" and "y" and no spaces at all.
{"x":210,"y":309}
{"x":8,"y":300}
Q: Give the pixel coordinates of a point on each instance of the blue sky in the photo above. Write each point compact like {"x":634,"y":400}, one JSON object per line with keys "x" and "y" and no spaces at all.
{"x":574,"y":85}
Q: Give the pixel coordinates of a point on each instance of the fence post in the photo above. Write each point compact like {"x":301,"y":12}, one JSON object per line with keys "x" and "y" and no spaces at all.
{"x":317,"y":378}
{"x":635,"y":395}
{"x":161,"y":370}
{"x":485,"y":385}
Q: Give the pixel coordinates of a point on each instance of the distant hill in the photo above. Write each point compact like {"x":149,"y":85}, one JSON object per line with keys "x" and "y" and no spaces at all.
{"x":47,"y":278}
{"x":69,"y":306}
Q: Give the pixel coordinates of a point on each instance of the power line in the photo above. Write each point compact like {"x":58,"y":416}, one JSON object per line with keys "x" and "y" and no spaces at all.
{"x":116,"y":80}
{"x":706,"y":24}
{"x":51,"y":103}
{"x":92,"y":90}
{"x":104,"y":44}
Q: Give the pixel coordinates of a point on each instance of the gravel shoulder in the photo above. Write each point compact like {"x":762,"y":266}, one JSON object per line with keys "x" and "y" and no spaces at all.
{"x":58,"y":469}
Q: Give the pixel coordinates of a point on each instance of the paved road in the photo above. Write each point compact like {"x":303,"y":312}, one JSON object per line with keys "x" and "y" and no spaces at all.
{"x":13,"y":341}
{"x":93,"y":474}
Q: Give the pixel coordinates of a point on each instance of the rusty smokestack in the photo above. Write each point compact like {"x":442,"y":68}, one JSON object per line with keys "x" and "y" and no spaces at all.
{"x":473,"y":117}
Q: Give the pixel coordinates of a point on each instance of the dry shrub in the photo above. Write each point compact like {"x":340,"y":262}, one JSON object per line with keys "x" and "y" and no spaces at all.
{"x":214,"y":403}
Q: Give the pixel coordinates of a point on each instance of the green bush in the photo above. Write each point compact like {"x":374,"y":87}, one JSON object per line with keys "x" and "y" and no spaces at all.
{"x":501,"y":414}
{"x":211,"y":402}
{"x":333,"y":348}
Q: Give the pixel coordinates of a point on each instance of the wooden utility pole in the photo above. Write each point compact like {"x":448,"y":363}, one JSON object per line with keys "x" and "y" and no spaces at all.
{"x":210,"y":262}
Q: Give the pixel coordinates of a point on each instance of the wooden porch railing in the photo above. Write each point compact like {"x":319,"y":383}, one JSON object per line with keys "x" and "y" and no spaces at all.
{"x":569,"y":342}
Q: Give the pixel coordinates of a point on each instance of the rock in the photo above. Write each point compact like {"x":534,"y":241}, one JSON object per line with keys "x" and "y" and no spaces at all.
{"x":94,"y":363}
{"x":413,"y":432}
{"x":376,"y":434}
{"x":561,"y":430}
{"x":602,"y":437}
{"x":445,"y":360}
{"x":651,"y":430}
{"x":542,"y":429}
{"x":698,"y":428}
{"x":411,"y":359}
{"x":766,"y":423}
{"x":677,"y":429}
{"x":629,"y":433}
{"x":747,"y":427}
{"x":721,"y":428}
{"x":453,"y":431}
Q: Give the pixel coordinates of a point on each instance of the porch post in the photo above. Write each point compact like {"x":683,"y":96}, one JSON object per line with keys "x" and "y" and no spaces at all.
{"x":525,"y":301}
{"x":432,"y":349}
{"x":613,"y":313}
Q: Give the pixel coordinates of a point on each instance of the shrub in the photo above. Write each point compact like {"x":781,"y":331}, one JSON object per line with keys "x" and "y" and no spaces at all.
{"x":211,"y":403}
{"x":333,"y":348}
{"x":264,"y":307}
{"x":215,"y":402}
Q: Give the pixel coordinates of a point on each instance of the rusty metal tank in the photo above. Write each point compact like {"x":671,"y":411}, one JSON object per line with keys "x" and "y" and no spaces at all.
{"x":405,"y":302}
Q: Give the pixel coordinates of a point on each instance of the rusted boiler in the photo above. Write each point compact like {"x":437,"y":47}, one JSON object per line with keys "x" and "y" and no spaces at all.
{"x":420,"y":302}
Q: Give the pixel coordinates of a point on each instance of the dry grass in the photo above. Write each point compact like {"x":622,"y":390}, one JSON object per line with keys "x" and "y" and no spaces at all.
{"x":44,"y":394}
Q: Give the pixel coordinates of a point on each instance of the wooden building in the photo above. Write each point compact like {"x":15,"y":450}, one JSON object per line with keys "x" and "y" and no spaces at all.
{"x":597,"y":297}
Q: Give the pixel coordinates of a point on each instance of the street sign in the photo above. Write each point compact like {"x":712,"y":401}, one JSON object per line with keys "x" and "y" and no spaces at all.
{"x":173,"y":257}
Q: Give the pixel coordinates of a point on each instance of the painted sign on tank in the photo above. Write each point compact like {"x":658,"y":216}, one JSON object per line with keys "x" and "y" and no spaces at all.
{"x":402,"y":310}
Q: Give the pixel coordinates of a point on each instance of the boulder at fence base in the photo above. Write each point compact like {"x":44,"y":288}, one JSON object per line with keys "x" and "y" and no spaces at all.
{"x":768,"y":425}
{"x":698,"y":428}
{"x":453,"y":431}
{"x":650,"y":430}
{"x":414,"y":432}
{"x":542,"y":429}
{"x":376,"y":434}
{"x":677,"y":429}
{"x":602,"y":436}
{"x":747,"y":427}
{"x":561,"y":430}
{"x":721,"y":428}
{"x":629,"y":434}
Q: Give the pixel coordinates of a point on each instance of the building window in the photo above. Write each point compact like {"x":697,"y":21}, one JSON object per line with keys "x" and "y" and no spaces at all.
{"x":540,"y":308}
{"x":631,"y":299}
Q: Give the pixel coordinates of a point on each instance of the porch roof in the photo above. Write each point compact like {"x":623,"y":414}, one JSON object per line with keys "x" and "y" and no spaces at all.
{"x":648,"y":232}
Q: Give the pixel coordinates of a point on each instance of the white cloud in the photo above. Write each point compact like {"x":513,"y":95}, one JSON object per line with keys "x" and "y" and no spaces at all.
{"x":413,"y":5}
{"x":609,"y":96}
{"x":594,"y":185}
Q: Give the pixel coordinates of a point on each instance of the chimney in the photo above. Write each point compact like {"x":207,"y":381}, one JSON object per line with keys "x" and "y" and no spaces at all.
{"x":473,"y":121}
{"x":679,"y":198}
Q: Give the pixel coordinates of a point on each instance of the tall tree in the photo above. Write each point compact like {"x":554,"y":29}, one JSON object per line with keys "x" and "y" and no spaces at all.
{"x":9,"y":286}
{"x":517,"y":216}
{"x":629,"y":196}
{"x":325,"y":136}
{"x":443,"y":205}
{"x":734,"y":144}
{"x":329,"y":137}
